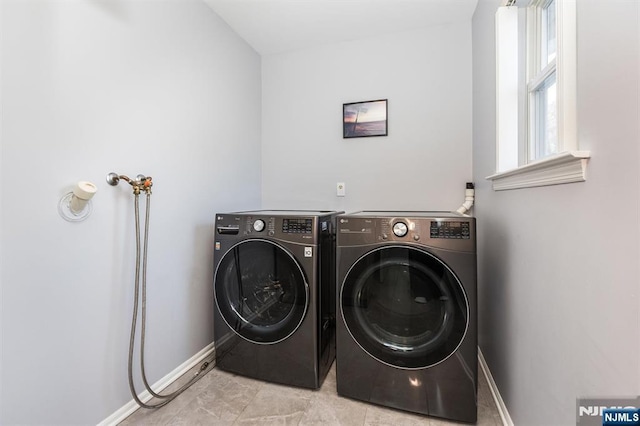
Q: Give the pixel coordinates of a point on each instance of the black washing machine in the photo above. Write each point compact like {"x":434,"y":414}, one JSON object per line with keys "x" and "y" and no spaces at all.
{"x":274,"y":291}
{"x":406,"y":327}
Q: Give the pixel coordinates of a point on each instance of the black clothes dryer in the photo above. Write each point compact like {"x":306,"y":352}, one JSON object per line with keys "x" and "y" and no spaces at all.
{"x":406,"y":327}
{"x":274,"y":291}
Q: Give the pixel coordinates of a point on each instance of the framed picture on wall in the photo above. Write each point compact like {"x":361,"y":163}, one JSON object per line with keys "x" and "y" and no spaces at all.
{"x":363,"y":119}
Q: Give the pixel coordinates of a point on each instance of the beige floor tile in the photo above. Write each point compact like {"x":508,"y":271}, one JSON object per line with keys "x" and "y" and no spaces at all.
{"x":221,"y":398}
{"x":276,"y":405}
{"x":327,"y":408}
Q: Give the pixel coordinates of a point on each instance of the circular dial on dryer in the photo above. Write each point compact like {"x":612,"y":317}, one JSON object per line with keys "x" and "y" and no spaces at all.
{"x":258,"y":225}
{"x":400,"y":229}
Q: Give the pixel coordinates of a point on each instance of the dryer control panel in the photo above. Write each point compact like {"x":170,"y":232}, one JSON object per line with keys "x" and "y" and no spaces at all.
{"x":444,"y":230}
{"x":450,"y":230}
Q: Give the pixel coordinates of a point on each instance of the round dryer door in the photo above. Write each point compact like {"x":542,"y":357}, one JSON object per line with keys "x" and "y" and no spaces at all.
{"x":404,"y":307}
{"x":261,"y":291}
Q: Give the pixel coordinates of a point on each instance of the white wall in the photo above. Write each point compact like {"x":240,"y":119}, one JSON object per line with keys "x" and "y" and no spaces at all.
{"x":559,"y":266}
{"x":424,"y":162}
{"x":89,"y":87}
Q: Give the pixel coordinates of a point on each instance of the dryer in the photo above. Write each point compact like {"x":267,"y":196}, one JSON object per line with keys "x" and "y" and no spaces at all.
{"x":274,"y":291}
{"x":406,"y":326}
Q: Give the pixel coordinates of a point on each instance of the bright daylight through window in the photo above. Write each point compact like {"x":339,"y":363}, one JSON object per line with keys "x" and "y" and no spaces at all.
{"x":542,"y":84}
{"x":536,"y":95}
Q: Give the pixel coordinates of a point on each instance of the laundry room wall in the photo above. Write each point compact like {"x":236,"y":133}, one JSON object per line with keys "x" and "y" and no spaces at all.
{"x":559,"y":266}
{"x":89,"y":87}
{"x":424,"y":161}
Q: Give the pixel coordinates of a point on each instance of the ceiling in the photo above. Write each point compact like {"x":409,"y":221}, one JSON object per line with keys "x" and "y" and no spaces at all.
{"x":276,"y":26}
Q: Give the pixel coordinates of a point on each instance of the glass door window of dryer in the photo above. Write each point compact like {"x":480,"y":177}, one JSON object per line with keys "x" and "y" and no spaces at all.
{"x":261,"y":291}
{"x":404,"y":307}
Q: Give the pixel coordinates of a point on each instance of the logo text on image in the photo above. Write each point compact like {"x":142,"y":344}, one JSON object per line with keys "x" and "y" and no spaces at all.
{"x":608,"y":411}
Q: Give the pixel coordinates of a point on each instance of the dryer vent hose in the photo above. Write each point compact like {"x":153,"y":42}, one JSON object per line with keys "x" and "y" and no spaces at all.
{"x":469,"y":196}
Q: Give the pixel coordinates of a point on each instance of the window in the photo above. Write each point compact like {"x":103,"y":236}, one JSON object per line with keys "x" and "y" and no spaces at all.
{"x":541,"y":80}
{"x":537,"y":143}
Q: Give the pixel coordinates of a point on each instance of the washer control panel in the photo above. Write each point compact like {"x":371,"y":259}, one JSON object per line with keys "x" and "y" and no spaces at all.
{"x":297,"y":226}
{"x":303,"y":229}
{"x":258,"y":225}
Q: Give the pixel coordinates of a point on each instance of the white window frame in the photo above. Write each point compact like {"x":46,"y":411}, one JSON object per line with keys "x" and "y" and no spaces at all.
{"x":515,"y":167}
{"x":539,"y":72}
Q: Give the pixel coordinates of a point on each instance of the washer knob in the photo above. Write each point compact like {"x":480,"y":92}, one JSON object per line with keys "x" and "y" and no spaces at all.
{"x":400,"y":229}
{"x":258,"y":225}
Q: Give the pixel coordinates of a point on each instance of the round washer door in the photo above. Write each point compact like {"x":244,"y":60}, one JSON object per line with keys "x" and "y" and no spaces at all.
{"x":404,"y":307}
{"x":261,"y":291}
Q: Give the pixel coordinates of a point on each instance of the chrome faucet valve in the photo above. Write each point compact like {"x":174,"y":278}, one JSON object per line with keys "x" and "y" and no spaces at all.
{"x":141,"y":182}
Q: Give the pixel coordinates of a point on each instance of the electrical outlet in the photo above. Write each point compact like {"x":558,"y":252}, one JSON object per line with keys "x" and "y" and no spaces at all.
{"x":340,"y":189}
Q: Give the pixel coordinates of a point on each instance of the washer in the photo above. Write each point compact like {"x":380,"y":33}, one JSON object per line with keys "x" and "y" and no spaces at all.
{"x":274,"y":291}
{"x":406,"y":327}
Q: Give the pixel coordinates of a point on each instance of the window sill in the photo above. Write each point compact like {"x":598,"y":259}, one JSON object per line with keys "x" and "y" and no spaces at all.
{"x":567,"y":167}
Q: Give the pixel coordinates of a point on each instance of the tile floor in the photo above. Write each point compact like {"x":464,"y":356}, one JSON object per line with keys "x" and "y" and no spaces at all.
{"x":221,"y":398}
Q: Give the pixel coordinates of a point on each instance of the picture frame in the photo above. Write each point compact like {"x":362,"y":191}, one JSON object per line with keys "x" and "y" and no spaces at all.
{"x":365,"y":119}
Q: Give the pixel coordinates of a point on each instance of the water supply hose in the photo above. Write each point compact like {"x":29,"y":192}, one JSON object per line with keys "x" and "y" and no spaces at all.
{"x":144,"y":184}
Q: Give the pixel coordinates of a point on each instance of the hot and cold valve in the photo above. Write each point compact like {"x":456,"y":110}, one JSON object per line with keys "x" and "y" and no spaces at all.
{"x":140,"y":183}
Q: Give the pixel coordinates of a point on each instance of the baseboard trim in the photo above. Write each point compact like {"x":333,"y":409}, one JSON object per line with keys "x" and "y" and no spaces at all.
{"x":502,"y":408}
{"x":161,"y":384}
